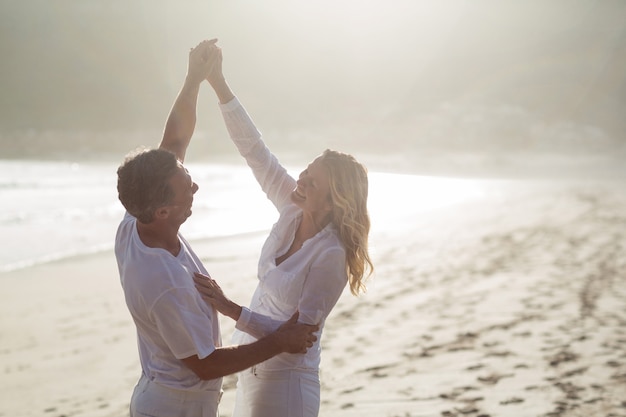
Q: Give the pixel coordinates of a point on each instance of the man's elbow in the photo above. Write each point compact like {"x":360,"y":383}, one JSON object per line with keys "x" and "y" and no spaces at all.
{"x":207,"y":375}
{"x":205,"y":369}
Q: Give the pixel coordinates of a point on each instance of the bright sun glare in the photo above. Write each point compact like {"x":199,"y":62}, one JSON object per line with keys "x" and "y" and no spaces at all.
{"x":396,"y":198}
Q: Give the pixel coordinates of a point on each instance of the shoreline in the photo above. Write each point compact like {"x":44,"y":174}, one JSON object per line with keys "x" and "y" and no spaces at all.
{"x":523,"y":165}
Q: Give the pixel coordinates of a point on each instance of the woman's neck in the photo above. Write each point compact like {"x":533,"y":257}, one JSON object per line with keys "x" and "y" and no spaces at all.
{"x":311,"y":225}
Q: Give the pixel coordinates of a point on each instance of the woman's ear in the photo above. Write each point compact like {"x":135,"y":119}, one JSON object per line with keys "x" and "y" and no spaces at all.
{"x":329,"y":203}
{"x":329,"y":209}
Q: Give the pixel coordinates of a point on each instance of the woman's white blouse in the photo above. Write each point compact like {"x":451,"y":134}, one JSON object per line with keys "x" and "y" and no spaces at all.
{"x":311,"y":280}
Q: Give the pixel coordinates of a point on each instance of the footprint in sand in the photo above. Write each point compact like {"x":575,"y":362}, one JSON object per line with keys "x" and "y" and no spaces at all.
{"x":470,"y":409}
{"x":513,"y":400}
{"x":375,"y":371}
{"x":574,"y":372}
{"x":351,"y":390}
{"x":475,"y":367}
{"x":493,"y":378}
{"x":562,"y":356}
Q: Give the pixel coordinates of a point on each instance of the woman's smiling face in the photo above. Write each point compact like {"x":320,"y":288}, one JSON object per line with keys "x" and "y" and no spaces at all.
{"x":312,"y":192}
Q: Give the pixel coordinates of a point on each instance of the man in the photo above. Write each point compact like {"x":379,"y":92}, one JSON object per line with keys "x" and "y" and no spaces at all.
{"x":178,"y":335}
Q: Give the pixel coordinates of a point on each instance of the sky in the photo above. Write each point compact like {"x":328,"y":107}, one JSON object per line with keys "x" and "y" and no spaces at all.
{"x":512,"y":75}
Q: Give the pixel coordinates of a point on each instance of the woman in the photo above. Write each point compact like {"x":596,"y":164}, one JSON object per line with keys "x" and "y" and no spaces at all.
{"x":318,"y":244}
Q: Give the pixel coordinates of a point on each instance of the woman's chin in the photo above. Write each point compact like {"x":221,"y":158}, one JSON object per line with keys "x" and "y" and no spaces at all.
{"x":296,"y":198}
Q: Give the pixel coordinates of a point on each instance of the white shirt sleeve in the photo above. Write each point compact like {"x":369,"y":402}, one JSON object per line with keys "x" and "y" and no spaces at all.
{"x":255,"y":324}
{"x":270,"y":174}
{"x":323,"y":286}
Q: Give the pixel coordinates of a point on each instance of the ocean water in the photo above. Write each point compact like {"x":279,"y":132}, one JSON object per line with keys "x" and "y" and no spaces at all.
{"x":53,"y":210}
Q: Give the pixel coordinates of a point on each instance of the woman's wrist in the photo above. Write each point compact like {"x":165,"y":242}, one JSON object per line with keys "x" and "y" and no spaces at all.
{"x":222,"y":90}
{"x":234,"y":311}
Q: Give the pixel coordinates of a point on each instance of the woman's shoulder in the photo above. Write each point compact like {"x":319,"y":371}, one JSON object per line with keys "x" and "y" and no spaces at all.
{"x":328,"y":241}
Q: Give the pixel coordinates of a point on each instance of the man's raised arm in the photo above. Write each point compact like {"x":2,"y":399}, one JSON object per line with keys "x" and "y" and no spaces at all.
{"x":181,"y":121}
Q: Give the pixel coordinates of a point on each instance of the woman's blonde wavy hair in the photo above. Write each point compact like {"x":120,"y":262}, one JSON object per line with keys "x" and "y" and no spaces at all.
{"x":348,"y":193}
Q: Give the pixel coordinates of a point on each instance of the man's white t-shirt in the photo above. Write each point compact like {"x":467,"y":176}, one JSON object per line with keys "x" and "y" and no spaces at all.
{"x":172,"y":320}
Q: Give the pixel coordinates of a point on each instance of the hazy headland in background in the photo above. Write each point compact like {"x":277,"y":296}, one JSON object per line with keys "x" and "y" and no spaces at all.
{"x":455,"y":87}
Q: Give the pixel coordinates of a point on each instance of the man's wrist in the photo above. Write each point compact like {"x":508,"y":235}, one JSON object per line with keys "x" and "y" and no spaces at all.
{"x":275,"y":340}
{"x":193,"y":80}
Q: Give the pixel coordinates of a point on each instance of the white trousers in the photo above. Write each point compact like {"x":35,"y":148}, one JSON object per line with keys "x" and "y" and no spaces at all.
{"x":153,"y":400}
{"x":290,"y":393}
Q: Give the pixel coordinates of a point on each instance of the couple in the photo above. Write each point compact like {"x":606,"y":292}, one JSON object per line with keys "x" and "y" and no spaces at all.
{"x":317,"y":246}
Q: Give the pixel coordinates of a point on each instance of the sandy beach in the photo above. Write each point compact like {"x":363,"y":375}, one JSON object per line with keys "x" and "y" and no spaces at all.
{"x":512,"y":304}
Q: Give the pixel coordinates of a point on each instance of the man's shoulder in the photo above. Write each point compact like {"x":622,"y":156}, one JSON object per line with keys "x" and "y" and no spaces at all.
{"x":126,"y":225}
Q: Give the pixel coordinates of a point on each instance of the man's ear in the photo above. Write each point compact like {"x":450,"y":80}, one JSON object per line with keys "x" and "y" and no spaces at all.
{"x":161,"y":213}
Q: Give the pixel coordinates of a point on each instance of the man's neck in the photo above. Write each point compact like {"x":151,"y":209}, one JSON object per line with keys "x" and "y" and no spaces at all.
{"x":158,"y":236}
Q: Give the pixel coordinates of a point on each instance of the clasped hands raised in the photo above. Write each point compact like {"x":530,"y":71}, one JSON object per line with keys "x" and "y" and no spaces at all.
{"x":203,"y":59}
